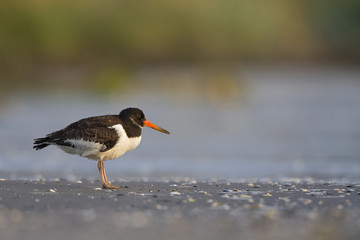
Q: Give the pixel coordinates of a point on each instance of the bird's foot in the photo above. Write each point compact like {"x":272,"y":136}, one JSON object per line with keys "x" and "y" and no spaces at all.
{"x":107,"y":185}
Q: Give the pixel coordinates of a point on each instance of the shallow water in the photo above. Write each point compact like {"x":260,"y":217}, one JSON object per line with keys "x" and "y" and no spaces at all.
{"x":291,"y":122}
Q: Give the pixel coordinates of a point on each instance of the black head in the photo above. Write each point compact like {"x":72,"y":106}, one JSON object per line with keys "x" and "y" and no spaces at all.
{"x":136,"y":117}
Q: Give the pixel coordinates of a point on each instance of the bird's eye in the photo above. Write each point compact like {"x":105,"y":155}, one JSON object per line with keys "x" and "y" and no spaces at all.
{"x":139,"y":116}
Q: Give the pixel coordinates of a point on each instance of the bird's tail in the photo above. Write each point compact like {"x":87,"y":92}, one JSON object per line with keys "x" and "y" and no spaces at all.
{"x":40,"y":143}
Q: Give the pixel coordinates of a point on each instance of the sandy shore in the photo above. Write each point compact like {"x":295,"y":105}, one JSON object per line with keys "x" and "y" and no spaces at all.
{"x":179,"y":210}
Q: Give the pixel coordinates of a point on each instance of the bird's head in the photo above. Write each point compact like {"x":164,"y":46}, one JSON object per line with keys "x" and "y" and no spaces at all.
{"x":137,"y":117}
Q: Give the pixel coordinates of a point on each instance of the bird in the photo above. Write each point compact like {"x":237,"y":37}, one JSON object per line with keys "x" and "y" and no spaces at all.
{"x":100,"y":138}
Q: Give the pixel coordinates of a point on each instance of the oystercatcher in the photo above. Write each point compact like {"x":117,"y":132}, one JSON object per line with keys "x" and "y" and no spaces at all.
{"x":100,"y":138}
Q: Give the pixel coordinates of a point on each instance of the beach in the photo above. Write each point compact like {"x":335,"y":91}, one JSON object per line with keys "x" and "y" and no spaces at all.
{"x":181,"y":209}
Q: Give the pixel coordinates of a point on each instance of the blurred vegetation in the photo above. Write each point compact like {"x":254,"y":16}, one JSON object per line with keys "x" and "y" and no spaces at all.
{"x":100,"y":44}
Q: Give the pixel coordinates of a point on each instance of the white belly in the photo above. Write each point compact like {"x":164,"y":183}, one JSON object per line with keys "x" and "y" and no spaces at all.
{"x":122,"y":146}
{"x":93,"y":150}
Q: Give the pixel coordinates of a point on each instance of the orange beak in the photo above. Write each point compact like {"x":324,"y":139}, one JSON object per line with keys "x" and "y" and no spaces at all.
{"x":153,"y":126}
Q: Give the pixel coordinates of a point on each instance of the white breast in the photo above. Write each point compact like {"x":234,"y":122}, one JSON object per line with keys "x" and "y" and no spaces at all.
{"x":92,"y":150}
{"x":123,"y":144}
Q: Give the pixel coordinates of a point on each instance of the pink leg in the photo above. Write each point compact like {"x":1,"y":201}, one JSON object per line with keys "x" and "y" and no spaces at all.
{"x":104,"y":181}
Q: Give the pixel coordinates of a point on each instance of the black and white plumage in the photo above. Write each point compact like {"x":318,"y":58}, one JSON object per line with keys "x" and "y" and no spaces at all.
{"x":100,"y":138}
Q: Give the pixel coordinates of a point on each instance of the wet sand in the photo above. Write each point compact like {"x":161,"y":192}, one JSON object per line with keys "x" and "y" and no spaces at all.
{"x":184,"y":209}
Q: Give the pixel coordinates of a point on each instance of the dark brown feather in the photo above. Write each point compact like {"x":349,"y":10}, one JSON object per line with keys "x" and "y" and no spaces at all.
{"x":94,"y":129}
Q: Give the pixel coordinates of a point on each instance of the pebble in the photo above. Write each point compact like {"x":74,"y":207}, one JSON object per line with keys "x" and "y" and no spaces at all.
{"x":203,"y":192}
{"x":245,"y":196}
{"x":305,"y":201}
{"x":247,"y":206}
{"x":210,"y":201}
{"x":216,"y":204}
{"x":175,"y":193}
{"x":285,"y":199}
{"x":271,"y":214}
{"x":161,"y":207}
{"x":225,"y":207}
{"x":52,"y":190}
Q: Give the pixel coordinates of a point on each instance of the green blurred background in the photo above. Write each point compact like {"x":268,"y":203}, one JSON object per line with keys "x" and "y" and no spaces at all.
{"x":100,"y":45}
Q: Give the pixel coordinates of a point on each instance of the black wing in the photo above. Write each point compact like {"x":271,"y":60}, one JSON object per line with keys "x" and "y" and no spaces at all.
{"x":94,"y":129}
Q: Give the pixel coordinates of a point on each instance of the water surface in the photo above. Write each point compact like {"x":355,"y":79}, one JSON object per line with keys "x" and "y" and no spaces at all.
{"x":291,"y":122}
